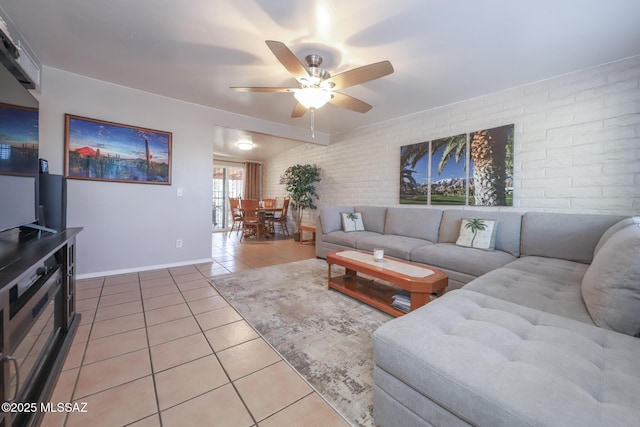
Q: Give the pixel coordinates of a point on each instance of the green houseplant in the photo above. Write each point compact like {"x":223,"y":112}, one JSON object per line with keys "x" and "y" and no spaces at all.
{"x":300,"y":182}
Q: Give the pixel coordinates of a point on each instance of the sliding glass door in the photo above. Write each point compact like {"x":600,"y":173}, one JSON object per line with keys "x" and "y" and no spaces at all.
{"x":228,"y":181}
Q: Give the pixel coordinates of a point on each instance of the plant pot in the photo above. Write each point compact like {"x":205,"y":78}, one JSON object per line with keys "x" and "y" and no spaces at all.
{"x":296,"y":236}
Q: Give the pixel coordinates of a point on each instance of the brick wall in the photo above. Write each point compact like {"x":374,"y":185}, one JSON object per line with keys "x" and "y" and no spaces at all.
{"x":577,"y":145}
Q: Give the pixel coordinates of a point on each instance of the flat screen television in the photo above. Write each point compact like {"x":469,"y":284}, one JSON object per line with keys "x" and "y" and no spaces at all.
{"x":18,"y":150}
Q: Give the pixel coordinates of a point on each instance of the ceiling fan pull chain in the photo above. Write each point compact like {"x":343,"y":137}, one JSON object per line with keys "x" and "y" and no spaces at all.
{"x":313,"y":110}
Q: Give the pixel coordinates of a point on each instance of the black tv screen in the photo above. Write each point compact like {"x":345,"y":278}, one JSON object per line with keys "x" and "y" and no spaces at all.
{"x":18,"y":153}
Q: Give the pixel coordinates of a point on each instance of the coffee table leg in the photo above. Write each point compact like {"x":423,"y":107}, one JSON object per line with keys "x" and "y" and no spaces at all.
{"x":419,"y":299}
{"x":350,"y":273}
{"x":351,"y":279}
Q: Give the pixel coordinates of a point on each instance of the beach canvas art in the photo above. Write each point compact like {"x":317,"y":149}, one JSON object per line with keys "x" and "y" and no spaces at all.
{"x":106,"y":151}
{"x":18,"y":140}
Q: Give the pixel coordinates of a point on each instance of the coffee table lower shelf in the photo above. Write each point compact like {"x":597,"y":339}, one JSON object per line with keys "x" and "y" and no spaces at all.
{"x":368,"y":291}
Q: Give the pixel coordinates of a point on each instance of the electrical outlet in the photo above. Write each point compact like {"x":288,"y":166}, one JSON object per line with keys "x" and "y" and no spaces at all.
{"x":179,"y":243}
{"x":179,"y":192}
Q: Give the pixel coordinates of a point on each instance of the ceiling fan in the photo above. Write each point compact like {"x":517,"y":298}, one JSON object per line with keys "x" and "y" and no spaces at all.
{"x":317,"y":86}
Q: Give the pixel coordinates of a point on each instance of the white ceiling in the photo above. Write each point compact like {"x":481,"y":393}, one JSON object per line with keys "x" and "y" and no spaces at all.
{"x":443,"y":51}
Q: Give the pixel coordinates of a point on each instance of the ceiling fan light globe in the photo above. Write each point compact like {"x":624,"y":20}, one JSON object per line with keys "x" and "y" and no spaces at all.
{"x":312,"y":97}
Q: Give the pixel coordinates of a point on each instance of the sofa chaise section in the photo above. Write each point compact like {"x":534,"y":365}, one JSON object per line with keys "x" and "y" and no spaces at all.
{"x":473,"y":359}
{"x":541,"y":341}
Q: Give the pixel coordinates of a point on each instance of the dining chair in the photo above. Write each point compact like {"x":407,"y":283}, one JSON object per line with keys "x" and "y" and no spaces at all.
{"x":236,"y":214}
{"x":281,"y":220}
{"x":251,"y":224}
{"x":269,"y":204}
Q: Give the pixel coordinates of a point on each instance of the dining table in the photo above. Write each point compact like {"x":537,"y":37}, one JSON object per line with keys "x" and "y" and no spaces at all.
{"x":262,"y":213}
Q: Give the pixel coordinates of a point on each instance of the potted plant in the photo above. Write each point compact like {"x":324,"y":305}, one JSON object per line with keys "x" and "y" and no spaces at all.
{"x":300,"y":181}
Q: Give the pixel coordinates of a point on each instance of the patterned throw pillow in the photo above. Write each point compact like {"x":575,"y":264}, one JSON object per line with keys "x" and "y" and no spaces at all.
{"x":352,"y":221}
{"x":478,"y":234}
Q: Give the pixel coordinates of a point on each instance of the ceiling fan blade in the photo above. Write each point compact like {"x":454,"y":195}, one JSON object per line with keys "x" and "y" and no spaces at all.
{"x":349,"y":102}
{"x":361,"y":74}
{"x":298,"y":111}
{"x":262,"y":89}
{"x":288,"y":59}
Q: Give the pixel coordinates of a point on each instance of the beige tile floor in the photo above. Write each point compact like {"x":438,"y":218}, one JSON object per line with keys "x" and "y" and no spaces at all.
{"x":163,"y":348}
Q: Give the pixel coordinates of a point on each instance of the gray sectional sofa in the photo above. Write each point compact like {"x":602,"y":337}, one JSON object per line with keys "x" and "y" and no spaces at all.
{"x":543,"y":330}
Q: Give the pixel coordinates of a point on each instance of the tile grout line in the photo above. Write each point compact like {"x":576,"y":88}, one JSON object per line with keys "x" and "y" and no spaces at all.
{"x":153,"y":377}
{"x":84,"y":352}
{"x":129,"y":352}
{"x":215,"y":354}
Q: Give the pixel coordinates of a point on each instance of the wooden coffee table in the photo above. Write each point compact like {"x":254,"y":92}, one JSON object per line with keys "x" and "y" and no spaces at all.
{"x":422,"y":282}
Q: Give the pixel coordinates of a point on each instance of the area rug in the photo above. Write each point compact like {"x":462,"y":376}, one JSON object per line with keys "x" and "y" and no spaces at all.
{"x":323,"y":334}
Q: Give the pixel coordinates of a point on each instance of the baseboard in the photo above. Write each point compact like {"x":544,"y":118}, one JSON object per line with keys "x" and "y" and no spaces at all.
{"x":138,"y":269}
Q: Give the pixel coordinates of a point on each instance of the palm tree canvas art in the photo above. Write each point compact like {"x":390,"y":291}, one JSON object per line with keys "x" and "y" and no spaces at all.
{"x":491,"y":167}
{"x":449,"y":171}
{"x":414,"y":176}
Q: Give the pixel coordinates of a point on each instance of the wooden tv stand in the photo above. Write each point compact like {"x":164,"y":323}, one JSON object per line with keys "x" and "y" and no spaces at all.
{"x":37,"y":300}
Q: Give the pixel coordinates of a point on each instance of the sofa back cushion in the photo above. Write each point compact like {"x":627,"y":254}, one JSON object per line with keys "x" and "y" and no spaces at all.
{"x":421,"y":223}
{"x":373,"y":217}
{"x":566,"y":236}
{"x":331,"y":219}
{"x":613,"y":229}
{"x":611,"y":285}
{"x":507,"y":234}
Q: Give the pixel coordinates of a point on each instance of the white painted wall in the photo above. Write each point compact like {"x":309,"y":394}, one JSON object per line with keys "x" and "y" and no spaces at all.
{"x":132,"y":226}
{"x":577,"y":145}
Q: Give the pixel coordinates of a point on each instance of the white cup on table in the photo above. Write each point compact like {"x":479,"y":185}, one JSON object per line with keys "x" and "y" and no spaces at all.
{"x":378,"y":254}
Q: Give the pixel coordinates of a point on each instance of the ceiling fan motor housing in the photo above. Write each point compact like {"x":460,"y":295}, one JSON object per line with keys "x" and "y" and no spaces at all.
{"x":316,"y":74}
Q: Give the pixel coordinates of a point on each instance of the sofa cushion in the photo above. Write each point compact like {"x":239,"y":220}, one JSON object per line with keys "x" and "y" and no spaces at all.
{"x":465,"y":260}
{"x":613,"y":229}
{"x":395,"y":246}
{"x":507,"y":234}
{"x":551,"y":268}
{"x":478,"y":234}
{"x":373,"y":217}
{"x":565,"y":236}
{"x":347,"y":239}
{"x":330,"y":218}
{"x":351,"y":221}
{"x":611,"y":285}
{"x":413,"y":222}
{"x":546,"y":294}
{"x":501,"y":364}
